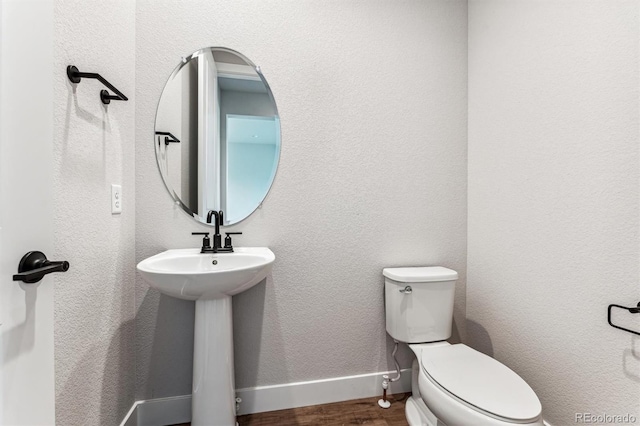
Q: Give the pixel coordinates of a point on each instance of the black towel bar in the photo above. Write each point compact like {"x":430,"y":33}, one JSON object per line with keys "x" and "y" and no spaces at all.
{"x":632,"y":310}
{"x":76,"y":76}
{"x":169,"y":138}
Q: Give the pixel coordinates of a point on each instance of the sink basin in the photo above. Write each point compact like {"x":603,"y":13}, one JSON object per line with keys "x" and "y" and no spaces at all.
{"x":191,"y":275}
{"x":210,"y":279}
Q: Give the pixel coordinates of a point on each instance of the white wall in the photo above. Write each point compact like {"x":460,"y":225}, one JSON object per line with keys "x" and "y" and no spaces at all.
{"x":93,"y":148}
{"x":372,"y":100}
{"x":553,"y":197}
{"x":373,"y":173}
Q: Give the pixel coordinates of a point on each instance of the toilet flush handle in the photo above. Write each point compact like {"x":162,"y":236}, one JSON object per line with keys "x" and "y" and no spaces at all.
{"x":406,"y":290}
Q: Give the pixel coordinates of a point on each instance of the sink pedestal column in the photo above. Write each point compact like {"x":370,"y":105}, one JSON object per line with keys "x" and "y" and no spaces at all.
{"x":214,"y":399}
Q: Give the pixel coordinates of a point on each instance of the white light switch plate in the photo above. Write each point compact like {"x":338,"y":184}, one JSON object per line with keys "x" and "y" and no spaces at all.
{"x":116,"y":199}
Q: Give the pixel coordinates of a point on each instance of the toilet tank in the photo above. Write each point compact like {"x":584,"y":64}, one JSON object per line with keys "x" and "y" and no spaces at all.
{"x":423,"y":313}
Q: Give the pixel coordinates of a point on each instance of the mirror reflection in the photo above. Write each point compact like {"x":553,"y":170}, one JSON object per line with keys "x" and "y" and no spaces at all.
{"x":217,"y":135}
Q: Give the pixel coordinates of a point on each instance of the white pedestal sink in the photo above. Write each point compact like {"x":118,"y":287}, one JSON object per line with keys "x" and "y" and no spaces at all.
{"x":210,"y":279}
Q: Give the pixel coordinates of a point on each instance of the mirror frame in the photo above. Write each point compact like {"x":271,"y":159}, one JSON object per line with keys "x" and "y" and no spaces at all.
{"x":184,"y":61}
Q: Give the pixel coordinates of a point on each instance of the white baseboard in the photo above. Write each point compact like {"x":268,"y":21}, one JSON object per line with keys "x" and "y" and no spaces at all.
{"x":302,"y":394}
{"x":174,"y":410}
{"x":159,"y":412}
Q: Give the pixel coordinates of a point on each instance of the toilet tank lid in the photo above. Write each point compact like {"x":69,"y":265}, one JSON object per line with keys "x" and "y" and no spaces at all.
{"x":420,"y":274}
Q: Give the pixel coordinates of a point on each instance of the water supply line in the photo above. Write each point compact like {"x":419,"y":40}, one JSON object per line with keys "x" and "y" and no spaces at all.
{"x":386,"y":381}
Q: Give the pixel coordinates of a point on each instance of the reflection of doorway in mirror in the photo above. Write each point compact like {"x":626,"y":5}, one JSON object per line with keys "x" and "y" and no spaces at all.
{"x":208,"y":134}
{"x":252,"y":151}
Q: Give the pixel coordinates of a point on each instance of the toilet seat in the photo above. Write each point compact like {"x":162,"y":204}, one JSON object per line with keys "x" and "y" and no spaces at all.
{"x":481,"y":383}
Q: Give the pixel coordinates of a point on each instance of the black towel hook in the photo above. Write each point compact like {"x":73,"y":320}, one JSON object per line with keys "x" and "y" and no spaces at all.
{"x":76,"y":76}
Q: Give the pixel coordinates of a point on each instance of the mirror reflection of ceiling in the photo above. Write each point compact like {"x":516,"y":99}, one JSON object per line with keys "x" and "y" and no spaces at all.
{"x":241,"y":85}
{"x":221,"y":56}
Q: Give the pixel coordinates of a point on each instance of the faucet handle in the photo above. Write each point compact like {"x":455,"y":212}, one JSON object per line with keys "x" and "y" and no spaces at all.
{"x":206,"y":241}
{"x":227,"y":239}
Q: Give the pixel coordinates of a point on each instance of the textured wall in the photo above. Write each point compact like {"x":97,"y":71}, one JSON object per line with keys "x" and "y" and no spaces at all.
{"x":372,"y":98}
{"x":553,"y":197}
{"x":93,"y":148}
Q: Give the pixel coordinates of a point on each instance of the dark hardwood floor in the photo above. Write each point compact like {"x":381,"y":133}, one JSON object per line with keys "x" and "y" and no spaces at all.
{"x":357,"y":412}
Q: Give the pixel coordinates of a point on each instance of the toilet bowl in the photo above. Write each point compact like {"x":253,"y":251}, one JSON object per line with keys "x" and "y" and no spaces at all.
{"x":451,"y":384}
{"x":461,"y":386}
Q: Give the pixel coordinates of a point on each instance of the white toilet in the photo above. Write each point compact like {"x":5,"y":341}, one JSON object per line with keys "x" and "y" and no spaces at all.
{"x":452,"y":384}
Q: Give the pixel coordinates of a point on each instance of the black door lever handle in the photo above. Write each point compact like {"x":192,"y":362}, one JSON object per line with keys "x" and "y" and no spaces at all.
{"x":34,"y":266}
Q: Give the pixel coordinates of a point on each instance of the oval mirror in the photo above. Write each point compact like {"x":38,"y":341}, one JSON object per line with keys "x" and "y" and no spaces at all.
{"x":217,"y":135}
